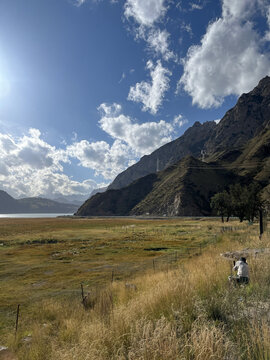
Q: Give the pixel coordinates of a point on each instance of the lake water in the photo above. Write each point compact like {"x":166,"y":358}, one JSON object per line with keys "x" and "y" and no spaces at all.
{"x":31,"y":216}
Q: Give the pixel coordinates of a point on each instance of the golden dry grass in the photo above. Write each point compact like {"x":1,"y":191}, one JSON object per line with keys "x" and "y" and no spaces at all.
{"x":184,"y":311}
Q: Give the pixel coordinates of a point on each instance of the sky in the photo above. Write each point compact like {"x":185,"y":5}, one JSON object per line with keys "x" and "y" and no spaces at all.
{"x":87,"y":87}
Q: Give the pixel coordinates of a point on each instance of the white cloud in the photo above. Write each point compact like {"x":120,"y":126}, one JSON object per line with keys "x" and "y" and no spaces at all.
{"x":145,"y":13}
{"x":79,"y":2}
{"x":123,"y":76}
{"x":187,"y":28}
{"x":158,"y":41}
{"x":238,"y":9}
{"x":151,"y":94}
{"x":194,"y":6}
{"x":267,"y":34}
{"x":141,"y":139}
{"x":229,"y":60}
{"x":31,"y":167}
{"x":179,"y":120}
{"x":104,"y":159}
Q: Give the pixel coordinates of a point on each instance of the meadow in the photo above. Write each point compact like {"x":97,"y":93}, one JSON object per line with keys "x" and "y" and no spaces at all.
{"x":180,"y":305}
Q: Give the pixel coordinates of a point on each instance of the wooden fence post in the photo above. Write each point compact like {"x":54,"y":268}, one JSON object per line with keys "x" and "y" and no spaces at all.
{"x":82,"y":293}
{"x":17,"y":319}
{"x":261,"y":222}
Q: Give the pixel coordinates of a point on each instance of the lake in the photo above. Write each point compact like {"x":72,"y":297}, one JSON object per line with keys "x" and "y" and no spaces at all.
{"x":37,"y":215}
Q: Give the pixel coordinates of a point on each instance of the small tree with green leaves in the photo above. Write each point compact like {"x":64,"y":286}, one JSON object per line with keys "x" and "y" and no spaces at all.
{"x":239,"y":200}
{"x":221,"y":204}
{"x":254,"y":201}
{"x":245,"y":202}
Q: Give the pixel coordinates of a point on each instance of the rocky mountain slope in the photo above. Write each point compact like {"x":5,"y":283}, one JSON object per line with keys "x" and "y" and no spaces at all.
{"x":191,"y":143}
{"x":238,"y":151}
{"x":9,"y":205}
{"x":240,"y":124}
{"x":171,"y":192}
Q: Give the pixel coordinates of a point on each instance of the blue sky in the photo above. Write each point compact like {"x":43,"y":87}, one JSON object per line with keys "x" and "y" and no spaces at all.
{"x":88,"y":87}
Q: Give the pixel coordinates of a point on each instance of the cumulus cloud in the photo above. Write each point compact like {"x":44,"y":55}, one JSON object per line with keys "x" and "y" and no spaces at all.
{"x":151,"y":94}
{"x":145,"y":13}
{"x":141,"y":139}
{"x":104,"y":159}
{"x":229,"y":60}
{"x":31,"y":167}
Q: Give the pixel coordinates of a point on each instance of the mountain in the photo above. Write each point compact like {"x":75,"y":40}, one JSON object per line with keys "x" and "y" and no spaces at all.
{"x":9,"y":205}
{"x":239,"y":125}
{"x":70,"y":199}
{"x":99,"y":190}
{"x":191,"y":143}
{"x":7,"y":202}
{"x":237,"y":150}
{"x":243,"y":122}
{"x":172,"y":192}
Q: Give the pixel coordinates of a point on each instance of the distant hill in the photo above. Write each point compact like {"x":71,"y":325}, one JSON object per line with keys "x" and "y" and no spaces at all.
{"x":70,"y":199}
{"x":9,"y":205}
{"x":237,"y":150}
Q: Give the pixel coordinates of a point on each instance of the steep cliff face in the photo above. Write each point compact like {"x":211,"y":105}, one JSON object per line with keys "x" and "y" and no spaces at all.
{"x":239,"y":125}
{"x":244,"y":121}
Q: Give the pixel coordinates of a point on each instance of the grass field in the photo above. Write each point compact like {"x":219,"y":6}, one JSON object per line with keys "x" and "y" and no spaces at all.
{"x":44,"y":261}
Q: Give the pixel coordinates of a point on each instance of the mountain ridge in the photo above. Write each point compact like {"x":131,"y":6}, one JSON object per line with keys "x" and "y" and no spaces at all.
{"x":9,"y":205}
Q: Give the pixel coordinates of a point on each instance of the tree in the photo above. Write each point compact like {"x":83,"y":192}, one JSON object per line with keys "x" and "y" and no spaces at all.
{"x":221,"y":204}
{"x":239,"y":200}
{"x":255,"y":202}
{"x":245,"y":202}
